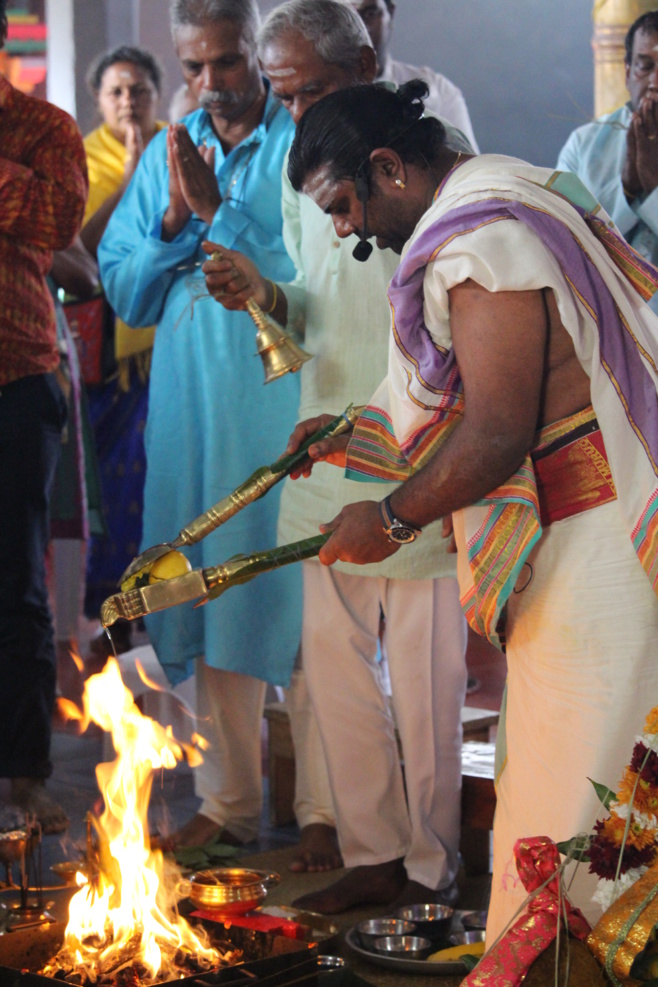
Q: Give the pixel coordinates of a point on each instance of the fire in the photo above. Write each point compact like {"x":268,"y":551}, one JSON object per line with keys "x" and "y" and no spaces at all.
{"x":125,"y":916}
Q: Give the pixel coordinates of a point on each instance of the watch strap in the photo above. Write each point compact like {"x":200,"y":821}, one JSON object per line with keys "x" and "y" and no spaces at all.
{"x":391,"y":521}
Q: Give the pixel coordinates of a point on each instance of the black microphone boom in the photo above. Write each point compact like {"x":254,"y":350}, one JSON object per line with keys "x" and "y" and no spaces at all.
{"x":362,"y":250}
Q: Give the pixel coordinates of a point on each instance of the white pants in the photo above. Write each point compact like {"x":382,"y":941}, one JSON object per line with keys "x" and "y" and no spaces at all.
{"x":582,"y":675}
{"x":425,"y":647}
{"x":229,"y":781}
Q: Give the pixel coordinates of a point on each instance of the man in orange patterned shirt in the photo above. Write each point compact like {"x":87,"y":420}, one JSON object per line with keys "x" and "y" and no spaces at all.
{"x":43,"y":189}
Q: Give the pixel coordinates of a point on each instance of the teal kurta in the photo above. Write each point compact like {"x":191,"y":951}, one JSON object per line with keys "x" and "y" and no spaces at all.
{"x":211,"y":419}
{"x":596,"y":152}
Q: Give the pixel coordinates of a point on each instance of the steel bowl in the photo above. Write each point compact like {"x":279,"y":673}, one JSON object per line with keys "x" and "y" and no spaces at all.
{"x":466,"y":938}
{"x":229,"y":890}
{"x":431,"y":921}
{"x":403,"y":947}
{"x":474,"y":920}
{"x":376,"y":928}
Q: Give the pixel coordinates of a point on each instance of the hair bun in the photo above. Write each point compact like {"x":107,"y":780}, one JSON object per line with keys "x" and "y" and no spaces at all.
{"x":412,"y":95}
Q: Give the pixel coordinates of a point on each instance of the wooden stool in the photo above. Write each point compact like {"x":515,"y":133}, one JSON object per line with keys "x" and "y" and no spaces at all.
{"x":478,"y":796}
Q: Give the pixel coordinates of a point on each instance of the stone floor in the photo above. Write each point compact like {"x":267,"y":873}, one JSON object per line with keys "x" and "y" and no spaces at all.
{"x":75,"y":757}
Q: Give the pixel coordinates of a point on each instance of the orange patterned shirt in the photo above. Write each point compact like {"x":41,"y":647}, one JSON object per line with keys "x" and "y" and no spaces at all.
{"x":43,"y":189}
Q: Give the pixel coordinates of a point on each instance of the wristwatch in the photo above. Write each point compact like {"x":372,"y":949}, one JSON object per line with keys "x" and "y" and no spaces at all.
{"x":400,"y":532}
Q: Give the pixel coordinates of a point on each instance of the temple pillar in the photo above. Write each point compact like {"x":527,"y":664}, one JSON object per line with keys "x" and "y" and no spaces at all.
{"x":612,"y":19}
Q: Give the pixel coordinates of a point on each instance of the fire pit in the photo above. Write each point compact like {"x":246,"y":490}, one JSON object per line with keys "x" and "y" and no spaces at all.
{"x":125,"y":927}
{"x":267,"y":960}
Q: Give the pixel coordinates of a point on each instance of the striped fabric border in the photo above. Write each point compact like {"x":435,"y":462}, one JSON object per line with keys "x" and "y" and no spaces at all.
{"x":645,"y":539}
{"x":373,"y":453}
{"x":511,"y":526}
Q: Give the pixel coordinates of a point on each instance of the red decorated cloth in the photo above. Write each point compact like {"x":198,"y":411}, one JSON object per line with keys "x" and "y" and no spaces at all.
{"x":258,"y":921}
{"x":508,"y":961}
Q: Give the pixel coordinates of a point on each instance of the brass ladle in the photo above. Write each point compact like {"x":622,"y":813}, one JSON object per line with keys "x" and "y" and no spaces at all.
{"x":254,"y":487}
{"x":204,"y":584}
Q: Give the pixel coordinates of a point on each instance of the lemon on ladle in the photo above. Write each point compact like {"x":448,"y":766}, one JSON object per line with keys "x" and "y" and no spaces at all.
{"x":168,"y":566}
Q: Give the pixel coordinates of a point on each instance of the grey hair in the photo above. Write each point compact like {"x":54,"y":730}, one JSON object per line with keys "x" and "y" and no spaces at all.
{"x":333,"y":27}
{"x":200,"y":12}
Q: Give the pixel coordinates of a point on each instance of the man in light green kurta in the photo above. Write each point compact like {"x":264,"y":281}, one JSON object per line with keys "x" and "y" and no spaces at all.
{"x":399,"y":848}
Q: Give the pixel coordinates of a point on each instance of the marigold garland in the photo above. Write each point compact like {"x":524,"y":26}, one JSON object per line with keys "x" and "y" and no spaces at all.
{"x":628,"y":838}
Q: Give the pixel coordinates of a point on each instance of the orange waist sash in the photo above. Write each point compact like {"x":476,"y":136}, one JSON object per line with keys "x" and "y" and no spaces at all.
{"x":571,"y":469}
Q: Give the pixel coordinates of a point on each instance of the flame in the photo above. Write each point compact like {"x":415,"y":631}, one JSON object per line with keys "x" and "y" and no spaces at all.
{"x":151,"y":683}
{"x":77,"y":660}
{"x":126,"y":912}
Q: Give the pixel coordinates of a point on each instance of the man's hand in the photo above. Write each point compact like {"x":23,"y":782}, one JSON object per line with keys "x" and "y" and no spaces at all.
{"x":193,"y":184}
{"x":234,"y":279}
{"x":178,"y":212}
{"x":196,"y":174}
{"x":329,"y":450}
{"x":357,"y":535}
{"x":645,"y":125}
{"x":629,"y":177}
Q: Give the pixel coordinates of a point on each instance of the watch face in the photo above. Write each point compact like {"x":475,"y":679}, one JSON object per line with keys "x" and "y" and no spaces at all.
{"x":402,"y":534}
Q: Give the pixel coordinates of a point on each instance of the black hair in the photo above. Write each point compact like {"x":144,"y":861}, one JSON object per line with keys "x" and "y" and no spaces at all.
{"x":140,"y":57}
{"x":341,"y":131}
{"x":645,"y":22}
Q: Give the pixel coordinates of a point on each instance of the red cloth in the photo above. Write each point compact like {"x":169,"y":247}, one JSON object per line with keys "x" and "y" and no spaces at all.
{"x":256,"y":920}
{"x":43,"y":190}
{"x":574,"y":476}
{"x":507,"y":963}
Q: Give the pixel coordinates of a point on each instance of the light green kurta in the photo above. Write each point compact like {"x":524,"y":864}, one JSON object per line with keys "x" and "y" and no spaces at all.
{"x":341,"y":308}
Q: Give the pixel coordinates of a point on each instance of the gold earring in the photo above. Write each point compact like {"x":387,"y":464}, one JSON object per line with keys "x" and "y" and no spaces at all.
{"x":400,"y":183}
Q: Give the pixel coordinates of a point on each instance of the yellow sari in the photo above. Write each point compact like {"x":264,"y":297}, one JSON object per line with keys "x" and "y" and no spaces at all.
{"x":106,"y":160}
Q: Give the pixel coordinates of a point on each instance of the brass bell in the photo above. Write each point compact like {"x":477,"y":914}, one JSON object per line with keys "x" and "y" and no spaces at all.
{"x":278,"y":351}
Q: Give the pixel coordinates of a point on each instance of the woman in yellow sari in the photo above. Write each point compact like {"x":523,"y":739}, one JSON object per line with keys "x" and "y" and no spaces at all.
{"x":126,"y":84}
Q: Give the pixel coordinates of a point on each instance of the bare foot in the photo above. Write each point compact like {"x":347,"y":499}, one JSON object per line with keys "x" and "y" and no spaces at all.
{"x":317,"y":850}
{"x":197,"y":832}
{"x":379,"y":884}
{"x":414,"y":893}
{"x":30,"y":795}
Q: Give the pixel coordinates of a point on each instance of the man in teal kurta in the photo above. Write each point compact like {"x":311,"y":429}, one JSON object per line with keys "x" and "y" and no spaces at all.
{"x":211,"y":421}
{"x":616,"y":156}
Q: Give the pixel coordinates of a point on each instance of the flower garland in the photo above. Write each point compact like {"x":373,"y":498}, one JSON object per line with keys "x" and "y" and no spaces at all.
{"x":625,"y":844}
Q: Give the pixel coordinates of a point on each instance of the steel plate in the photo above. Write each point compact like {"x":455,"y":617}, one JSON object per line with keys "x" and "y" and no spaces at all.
{"x":426,"y":967}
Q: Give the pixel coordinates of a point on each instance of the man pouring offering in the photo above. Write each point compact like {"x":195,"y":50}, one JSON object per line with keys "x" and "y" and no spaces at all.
{"x":521,"y":400}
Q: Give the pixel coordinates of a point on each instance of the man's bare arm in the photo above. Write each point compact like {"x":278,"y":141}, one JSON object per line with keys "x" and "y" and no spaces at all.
{"x":500,"y":345}
{"x":499,"y":341}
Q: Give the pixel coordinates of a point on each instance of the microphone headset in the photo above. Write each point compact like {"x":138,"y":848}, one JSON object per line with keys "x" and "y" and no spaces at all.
{"x":363,"y":249}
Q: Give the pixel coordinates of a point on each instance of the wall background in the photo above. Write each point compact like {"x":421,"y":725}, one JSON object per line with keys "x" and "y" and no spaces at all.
{"x":524,"y":66}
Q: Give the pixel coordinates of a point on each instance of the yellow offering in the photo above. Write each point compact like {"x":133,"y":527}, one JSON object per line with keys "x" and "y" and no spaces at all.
{"x":168,"y":566}
{"x":456,"y":952}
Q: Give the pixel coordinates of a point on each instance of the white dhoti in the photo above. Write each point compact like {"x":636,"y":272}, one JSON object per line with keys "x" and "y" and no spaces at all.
{"x":380,"y":815}
{"x":582,"y":674}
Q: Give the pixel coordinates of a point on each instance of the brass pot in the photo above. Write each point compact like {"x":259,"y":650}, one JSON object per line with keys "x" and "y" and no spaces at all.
{"x":228,"y":890}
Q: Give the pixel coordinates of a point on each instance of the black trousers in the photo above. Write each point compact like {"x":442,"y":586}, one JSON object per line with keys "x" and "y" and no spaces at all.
{"x":32,"y":415}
